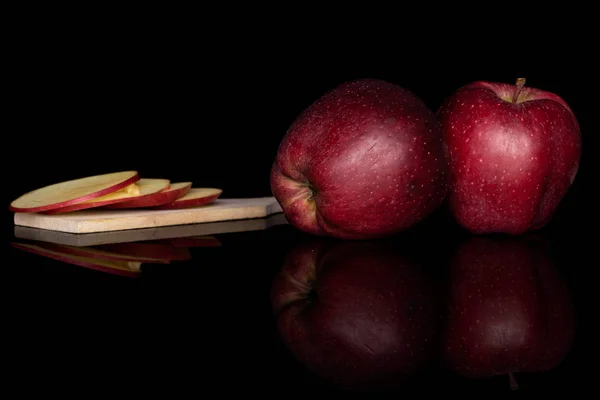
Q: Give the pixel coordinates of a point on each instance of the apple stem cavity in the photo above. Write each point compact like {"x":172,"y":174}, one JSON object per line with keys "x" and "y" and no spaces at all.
{"x":312,"y":190}
{"x":514,"y":385}
{"x":519,"y":86}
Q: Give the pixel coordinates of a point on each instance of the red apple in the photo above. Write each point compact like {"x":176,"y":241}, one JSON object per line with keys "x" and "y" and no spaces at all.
{"x":71,"y":192}
{"x":509,"y":310}
{"x":194,"y":198}
{"x":366,"y":160}
{"x":168,"y":195}
{"x":140,"y":189}
{"x":514,"y":152}
{"x":129,"y":269}
{"x":357,"y":314}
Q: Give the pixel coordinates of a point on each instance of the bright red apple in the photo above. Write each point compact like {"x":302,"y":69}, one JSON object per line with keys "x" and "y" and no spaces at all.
{"x":509,"y":311}
{"x":357,"y":314}
{"x":514,"y":152}
{"x":366,"y":160}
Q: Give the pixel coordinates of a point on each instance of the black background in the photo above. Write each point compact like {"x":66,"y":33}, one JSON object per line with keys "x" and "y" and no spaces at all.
{"x":208,"y":101}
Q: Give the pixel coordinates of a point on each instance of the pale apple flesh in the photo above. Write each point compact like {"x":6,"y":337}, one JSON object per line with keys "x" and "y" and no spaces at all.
{"x":64,"y":194}
{"x":123,"y":268}
{"x":364,"y":161}
{"x":169,"y":195}
{"x":143,"y":187}
{"x":194,"y":198}
{"x":514,"y":153}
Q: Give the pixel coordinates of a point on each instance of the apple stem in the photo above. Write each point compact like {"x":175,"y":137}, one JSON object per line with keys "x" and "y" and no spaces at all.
{"x":514,"y":385}
{"x":520,"y":83}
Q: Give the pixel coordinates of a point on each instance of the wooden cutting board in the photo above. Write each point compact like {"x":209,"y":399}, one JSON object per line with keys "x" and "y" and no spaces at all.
{"x":149,"y":234}
{"x":90,"y":221}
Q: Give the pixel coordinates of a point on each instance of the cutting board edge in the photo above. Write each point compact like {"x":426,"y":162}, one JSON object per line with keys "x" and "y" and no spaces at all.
{"x":187,"y":217}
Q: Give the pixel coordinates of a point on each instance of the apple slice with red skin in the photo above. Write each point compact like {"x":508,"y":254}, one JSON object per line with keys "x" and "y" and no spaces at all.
{"x":176,"y":191}
{"x":100,"y":254}
{"x":74,"y":191}
{"x":142,"y":188}
{"x":148,"y":250}
{"x":194,"y":198}
{"x":129,"y":269}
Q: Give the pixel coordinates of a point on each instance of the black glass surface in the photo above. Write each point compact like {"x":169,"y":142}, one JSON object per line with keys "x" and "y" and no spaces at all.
{"x":258,"y":306}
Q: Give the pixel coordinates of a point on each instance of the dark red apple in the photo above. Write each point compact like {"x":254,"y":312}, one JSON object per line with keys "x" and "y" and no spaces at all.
{"x":514,"y":152}
{"x":357,"y":314}
{"x":509,"y":310}
{"x":366,"y":160}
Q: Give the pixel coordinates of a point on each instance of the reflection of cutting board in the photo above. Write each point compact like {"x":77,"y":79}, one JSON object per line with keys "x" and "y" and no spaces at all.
{"x":88,"y":221}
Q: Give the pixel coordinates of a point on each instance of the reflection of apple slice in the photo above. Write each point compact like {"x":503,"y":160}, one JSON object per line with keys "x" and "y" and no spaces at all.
{"x":143,"y":187}
{"x":195,"y":197}
{"x":97,"y":253}
{"x":72,"y":192}
{"x":176,"y":191}
{"x":123,"y":268}
{"x":193,"y":241}
{"x":148,"y":250}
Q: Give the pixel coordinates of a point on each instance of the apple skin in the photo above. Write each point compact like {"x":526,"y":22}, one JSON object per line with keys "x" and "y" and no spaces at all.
{"x":357,"y":314}
{"x":509,"y":310}
{"x":511,"y":164}
{"x":366,"y":160}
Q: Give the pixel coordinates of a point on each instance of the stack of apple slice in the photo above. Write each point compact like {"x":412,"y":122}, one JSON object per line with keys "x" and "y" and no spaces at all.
{"x":118,"y":190}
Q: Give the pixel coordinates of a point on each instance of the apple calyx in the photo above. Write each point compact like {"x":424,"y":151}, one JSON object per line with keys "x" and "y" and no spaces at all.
{"x":514,"y":385}
{"x":519,"y":87}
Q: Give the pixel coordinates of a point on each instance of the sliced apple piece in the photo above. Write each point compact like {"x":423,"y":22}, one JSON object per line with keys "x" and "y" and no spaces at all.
{"x":148,"y":250}
{"x":123,"y":268}
{"x":141,"y":188}
{"x":97,"y":253}
{"x":74,"y":191}
{"x":194,"y":198}
{"x":176,"y":191}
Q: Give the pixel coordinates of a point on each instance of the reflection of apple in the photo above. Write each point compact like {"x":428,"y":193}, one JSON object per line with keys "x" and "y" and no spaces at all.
{"x":509,"y":311}
{"x":356,"y":314}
